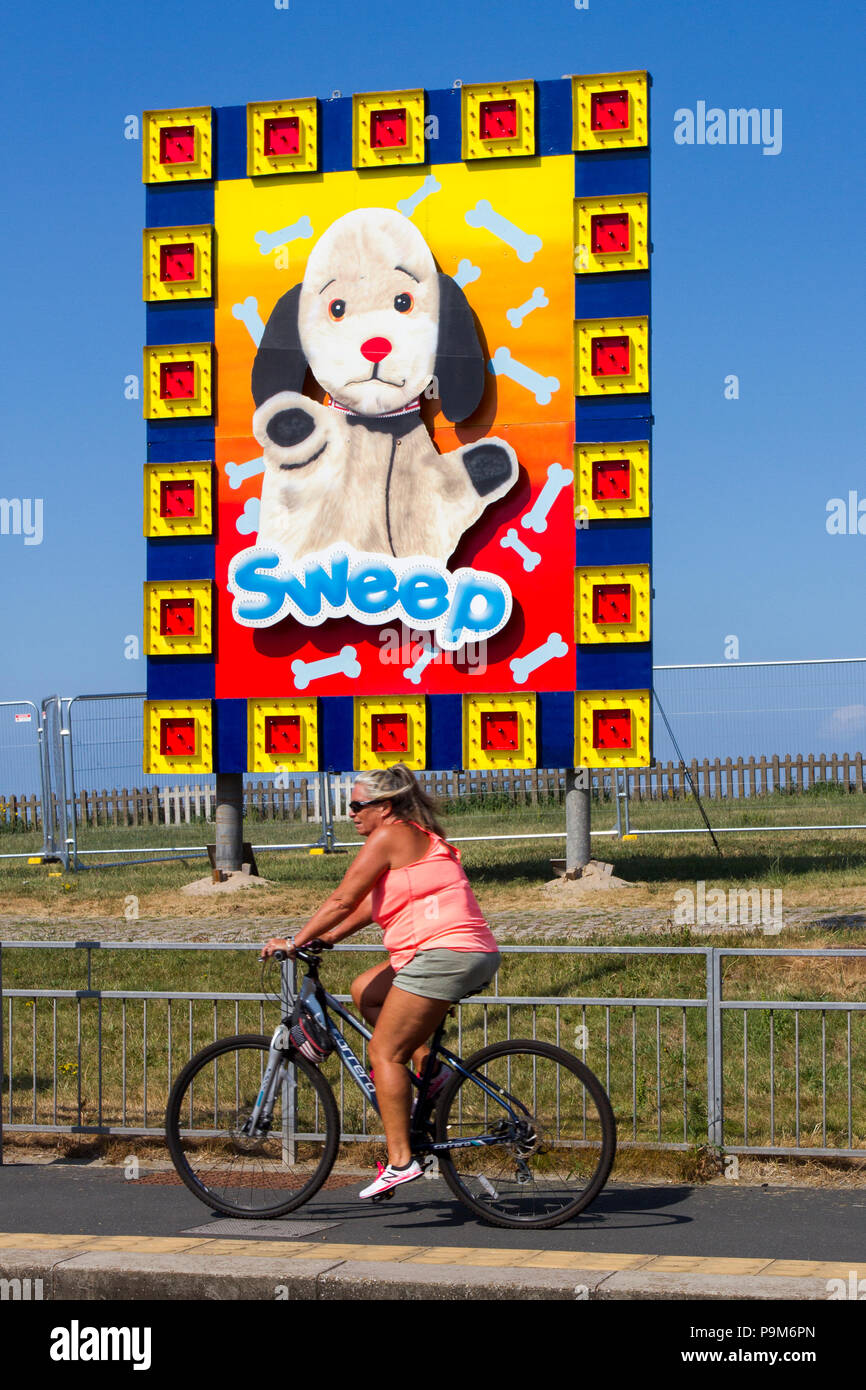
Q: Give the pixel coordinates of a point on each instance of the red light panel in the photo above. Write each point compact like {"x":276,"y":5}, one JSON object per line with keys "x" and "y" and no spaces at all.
{"x":388,"y":128}
{"x":609,"y":232}
{"x":177,"y":144}
{"x":282,"y":135}
{"x":609,"y":111}
{"x":177,"y":262}
{"x":390,"y":733}
{"x":177,"y":736}
{"x":500,"y":731}
{"x":177,"y":498}
{"x":611,"y":728}
{"x":611,"y":603}
{"x":498,"y":120}
{"x":282,"y":733}
{"x":610,"y":356}
{"x":176,"y":380}
{"x":177,"y":617}
{"x":610,"y":479}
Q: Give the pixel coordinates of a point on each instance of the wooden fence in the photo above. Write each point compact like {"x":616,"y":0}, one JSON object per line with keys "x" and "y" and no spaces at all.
{"x":719,"y":778}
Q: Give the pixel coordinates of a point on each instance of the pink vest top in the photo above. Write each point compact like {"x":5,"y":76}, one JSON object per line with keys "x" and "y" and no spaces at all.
{"x":429,"y":905}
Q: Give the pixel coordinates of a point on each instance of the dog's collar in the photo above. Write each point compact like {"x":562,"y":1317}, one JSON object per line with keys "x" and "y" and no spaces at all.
{"x":409,"y":409}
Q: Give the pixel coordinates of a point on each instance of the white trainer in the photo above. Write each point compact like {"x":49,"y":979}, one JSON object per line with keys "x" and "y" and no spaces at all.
{"x":388,"y":1178}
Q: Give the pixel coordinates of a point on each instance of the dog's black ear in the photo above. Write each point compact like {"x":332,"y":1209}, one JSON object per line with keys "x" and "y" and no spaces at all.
{"x":460,"y":364}
{"x":280,"y":363}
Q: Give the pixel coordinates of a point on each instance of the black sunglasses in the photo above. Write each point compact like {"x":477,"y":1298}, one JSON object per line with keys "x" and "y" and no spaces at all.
{"x":356,"y":806}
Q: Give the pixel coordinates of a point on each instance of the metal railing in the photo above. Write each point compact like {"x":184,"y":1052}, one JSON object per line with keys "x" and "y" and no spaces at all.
{"x":691,"y":1068}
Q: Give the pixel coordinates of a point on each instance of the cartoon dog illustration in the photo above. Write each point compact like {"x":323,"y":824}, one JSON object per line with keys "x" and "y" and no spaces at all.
{"x":375,"y":322}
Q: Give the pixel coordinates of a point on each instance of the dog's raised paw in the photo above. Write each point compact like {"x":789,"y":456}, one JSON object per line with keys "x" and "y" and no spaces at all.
{"x":290,"y":427}
{"x":489,"y":466}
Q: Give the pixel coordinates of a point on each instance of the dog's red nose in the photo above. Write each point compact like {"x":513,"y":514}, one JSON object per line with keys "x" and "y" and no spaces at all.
{"x":375,"y":349}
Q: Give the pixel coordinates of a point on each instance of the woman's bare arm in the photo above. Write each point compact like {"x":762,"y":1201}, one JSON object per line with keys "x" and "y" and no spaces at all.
{"x":348,"y":899}
{"x":356,"y":921}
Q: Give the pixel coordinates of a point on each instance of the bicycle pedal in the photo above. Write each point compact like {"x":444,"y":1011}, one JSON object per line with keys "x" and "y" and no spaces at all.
{"x":383,"y":1196}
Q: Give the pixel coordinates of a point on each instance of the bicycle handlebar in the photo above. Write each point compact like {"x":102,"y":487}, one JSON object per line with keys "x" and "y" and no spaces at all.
{"x":311,"y":951}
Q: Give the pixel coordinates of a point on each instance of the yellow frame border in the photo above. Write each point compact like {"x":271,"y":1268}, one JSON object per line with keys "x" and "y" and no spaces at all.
{"x":364,"y":156}
{"x":477,"y":758}
{"x":586,"y":578}
{"x":365,"y":706}
{"x":635,"y":136}
{"x":157,"y":710}
{"x":157,"y":643}
{"x":473,"y":145}
{"x":637,"y":382}
{"x":258,"y":759}
{"x":589,"y":262}
{"x":201,"y":355}
{"x":155,"y":290}
{"x":200,"y":473}
{"x":588,"y":508}
{"x":201,"y":118}
{"x":586,"y":702}
{"x":306,"y":161}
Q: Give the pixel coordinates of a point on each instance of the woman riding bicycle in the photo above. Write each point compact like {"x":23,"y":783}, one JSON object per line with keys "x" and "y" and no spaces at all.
{"x":409,"y":880}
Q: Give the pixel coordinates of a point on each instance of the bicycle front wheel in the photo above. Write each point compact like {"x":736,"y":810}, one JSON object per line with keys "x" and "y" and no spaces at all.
{"x":267,"y":1175}
{"x":542,"y":1151}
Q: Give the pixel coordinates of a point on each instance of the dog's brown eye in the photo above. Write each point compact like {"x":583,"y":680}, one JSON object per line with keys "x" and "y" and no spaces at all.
{"x":403,"y":303}
{"x":337,"y":308}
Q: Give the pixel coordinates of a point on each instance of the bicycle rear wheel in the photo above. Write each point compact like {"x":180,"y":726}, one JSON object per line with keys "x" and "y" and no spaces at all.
{"x":545,"y":1161}
{"x":252,"y":1177}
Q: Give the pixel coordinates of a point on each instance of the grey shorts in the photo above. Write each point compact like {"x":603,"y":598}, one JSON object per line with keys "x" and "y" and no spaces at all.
{"x":447,"y":974}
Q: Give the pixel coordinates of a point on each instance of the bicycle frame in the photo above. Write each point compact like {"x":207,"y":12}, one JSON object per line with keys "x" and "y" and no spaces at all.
{"x":279,"y":1063}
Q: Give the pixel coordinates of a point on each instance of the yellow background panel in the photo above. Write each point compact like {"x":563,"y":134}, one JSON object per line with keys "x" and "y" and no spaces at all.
{"x":637,"y":578}
{"x":200,"y":286}
{"x":366,"y":709}
{"x":200,"y":521}
{"x":637,"y":702}
{"x":634,"y":206}
{"x":305,"y":709}
{"x":474,"y":709}
{"x":636,"y":454}
{"x":200,"y":712}
{"x":199,"y":117}
{"x":632,"y":136}
{"x":636,"y":381}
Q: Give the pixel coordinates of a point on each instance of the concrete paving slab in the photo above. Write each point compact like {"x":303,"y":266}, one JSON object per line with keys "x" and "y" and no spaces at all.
{"x":105,"y":1275}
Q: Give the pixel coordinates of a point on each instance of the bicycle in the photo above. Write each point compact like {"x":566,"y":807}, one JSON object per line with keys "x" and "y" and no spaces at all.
{"x":259,"y":1137}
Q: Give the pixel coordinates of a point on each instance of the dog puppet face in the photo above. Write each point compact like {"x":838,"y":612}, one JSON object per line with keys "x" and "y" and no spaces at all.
{"x":368,"y":311}
{"x":375,"y":322}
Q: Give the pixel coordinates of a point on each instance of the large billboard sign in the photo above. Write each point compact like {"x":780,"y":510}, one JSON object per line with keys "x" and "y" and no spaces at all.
{"x":397,"y":386}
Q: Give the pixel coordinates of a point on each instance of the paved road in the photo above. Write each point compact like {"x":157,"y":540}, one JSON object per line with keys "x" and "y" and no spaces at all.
{"x":745,"y":1222}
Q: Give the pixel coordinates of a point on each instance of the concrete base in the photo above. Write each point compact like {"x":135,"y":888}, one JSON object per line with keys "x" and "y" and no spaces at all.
{"x":596,"y":876}
{"x":232,"y":881}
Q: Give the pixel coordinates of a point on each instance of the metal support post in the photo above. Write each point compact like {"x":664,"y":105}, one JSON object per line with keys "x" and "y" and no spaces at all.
{"x":229,"y":821}
{"x":578,"y":851}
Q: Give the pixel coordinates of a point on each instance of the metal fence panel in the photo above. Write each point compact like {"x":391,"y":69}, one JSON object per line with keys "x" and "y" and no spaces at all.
{"x":742,"y":1075}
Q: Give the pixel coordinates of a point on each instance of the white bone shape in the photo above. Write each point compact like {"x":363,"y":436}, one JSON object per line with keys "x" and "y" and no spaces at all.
{"x":408,"y":205}
{"x":298,"y":231}
{"x":537,"y":300}
{"x":237,"y":473}
{"x":511,"y":541}
{"x":526,"y":244}
{"x":248,"y":521}
{"x":345,"y":663}
{"x":466,"y":273}
{"x":413,"y":673}
{"x":557,"y":479}
{"x":249,"y":315}
{"x":542,"y":387}
{"x":523,"y":666}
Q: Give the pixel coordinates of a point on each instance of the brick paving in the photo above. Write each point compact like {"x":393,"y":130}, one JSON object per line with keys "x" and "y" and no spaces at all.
{"x":528,"y":926}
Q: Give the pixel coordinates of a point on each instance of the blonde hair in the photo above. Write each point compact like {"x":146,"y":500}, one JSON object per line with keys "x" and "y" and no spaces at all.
{"x":410,"y":802}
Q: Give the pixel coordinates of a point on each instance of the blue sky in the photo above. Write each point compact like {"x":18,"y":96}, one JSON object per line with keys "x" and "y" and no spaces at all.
{"x":757,"y":273}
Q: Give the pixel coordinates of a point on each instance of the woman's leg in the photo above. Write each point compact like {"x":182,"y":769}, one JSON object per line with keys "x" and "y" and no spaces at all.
{"x":369,"y":989}
{"x":404,"y":1024}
